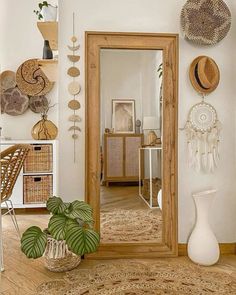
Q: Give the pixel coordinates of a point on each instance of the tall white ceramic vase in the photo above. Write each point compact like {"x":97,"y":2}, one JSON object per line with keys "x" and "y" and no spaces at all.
{"x":203,"y":247}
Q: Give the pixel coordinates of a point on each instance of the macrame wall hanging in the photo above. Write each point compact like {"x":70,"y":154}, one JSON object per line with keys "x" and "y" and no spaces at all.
{"x":203,"y":136}
{"x":74,"y":88}
{"x":203,"y":127}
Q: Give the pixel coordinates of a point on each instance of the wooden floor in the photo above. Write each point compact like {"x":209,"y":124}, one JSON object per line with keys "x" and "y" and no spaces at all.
{"x":121,"y":197}
{"x":22,"y":275}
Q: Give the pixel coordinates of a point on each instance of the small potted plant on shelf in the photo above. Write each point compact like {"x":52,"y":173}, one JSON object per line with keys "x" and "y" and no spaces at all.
{"x":47,"y":12}
{"x":69,"y":235}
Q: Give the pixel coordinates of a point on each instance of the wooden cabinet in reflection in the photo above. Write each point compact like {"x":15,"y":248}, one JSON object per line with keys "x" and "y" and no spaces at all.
{"x":120,"y":157}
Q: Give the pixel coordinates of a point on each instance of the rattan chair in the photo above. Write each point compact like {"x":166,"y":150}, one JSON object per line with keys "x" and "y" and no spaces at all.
{"x":12,"y":160}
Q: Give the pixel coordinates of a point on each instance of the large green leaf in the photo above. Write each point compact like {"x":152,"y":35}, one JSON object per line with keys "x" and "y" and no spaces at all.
{"x":33,"y":242}
{"x":79,"y":210}
{"x":81,"y":240}
{"x":57,"y":226}
{"x":56,"y":205}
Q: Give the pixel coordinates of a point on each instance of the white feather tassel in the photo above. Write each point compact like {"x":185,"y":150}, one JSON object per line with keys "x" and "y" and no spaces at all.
{"x":203,"y":148}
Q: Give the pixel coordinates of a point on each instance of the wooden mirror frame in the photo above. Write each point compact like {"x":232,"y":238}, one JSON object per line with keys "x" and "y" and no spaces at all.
{"x":95,"y":41}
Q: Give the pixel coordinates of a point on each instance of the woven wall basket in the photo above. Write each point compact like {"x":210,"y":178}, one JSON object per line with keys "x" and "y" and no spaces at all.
{"x":205,"y":22}
{"x":13,"y":102}
{"x":31,"y":80}
{"x":58,"y":258}
{"x":7,"y":80}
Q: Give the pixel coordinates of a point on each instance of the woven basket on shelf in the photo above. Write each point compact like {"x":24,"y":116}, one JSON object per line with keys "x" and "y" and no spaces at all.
{"x":37,"y":189}
{"x":58,"y":258}
{"x":39,"y":159}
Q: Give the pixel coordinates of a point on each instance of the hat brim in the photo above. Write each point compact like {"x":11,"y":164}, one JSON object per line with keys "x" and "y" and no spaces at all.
{"x":196,"y":81}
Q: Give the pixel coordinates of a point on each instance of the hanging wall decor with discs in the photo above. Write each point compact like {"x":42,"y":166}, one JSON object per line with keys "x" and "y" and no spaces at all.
{"x":74,"y":87}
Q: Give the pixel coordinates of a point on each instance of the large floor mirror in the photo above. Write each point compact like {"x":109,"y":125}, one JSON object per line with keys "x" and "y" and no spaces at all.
{"x":131,"y":142}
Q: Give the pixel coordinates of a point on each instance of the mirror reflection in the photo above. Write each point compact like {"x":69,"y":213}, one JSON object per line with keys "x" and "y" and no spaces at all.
{"x":131,"y":146}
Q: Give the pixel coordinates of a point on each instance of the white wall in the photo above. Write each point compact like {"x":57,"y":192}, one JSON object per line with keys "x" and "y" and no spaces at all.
{"x":140,"y":16}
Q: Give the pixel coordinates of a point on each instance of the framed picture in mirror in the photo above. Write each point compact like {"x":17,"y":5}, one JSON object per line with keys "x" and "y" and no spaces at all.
{"x":123,"y":115}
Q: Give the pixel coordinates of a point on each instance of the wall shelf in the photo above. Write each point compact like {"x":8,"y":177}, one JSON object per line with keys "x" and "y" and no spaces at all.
{"x":49,"y":31}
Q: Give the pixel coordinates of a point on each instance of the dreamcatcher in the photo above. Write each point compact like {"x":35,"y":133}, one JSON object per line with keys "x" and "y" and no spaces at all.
{"x":203,"y":136}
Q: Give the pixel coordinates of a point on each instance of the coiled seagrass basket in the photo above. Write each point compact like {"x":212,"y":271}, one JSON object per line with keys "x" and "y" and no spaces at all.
{"x":58,"y":258}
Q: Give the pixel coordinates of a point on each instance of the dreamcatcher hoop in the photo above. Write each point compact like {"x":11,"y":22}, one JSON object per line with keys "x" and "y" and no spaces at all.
{"x":203,"y":136}
{"x":203,"y":117}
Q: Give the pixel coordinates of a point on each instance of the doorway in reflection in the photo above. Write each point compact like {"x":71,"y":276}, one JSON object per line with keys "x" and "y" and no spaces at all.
{"x":131,"y":146}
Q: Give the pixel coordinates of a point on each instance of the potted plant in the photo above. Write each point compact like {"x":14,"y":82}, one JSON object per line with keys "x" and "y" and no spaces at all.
{"x":47,"y":12}
{"x":69,"y":235}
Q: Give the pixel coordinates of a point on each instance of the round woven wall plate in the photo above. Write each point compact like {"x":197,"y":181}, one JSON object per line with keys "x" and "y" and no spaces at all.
{"x":13,"y":102}
{"x":31,"y":80}
{"x":205,"y":22}
{"x":38,"y":104}
{"x":203,"y":117}
{"x":7,"y":80}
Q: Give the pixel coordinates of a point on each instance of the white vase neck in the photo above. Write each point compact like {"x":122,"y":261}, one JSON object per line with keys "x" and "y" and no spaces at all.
{"x":205,"y":193}
{"x":203,"y":201}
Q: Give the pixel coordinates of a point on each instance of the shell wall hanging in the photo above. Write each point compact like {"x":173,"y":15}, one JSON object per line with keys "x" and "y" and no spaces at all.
{"x":74,"y":87}
{"x":203,"y":127}
{"x":31,"y":80}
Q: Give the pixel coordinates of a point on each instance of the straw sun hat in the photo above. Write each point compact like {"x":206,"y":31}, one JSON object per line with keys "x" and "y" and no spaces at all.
{"x":204,"y":74}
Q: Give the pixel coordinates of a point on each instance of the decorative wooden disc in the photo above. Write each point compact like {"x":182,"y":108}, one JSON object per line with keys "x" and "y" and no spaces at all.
{"x":13,"y":102}
{"x":74,"y":104}
{"x":73,"y":58}
{"x":75,"y":136}
{"x":74,"y":88}
{"x":74,"y":39}
{"x":74,"y":118}
{"x":31,"y":80}
{"x":7,"y":80}
{"x":73,"y":72}
{"x":74,"y":48}
{"x":38,"y":104}
{"x":74,"y":128}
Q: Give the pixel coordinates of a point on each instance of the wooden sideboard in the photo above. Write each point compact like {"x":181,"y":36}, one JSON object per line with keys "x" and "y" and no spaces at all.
{"x":121,"y":157}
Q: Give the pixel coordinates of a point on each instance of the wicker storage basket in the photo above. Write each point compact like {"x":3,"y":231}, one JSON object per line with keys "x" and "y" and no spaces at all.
{"x":39,"y":159}
{"x":156,"y":186}
{"x":37,"y":189}
{"x":58,"y":258}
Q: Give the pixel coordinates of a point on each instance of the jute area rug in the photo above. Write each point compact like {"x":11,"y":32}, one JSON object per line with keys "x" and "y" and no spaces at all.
{"x":138,"y":278}
{"x":127,"y":225}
